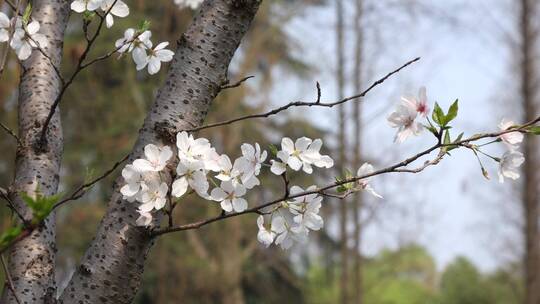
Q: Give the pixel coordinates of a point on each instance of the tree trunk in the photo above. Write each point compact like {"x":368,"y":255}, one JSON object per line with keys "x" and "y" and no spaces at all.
{"x":340,"y":75}
{"x":531,"y":148}
{"x":32,"y":260}
{"x":357,"y":113}
{"x":111,"y":269}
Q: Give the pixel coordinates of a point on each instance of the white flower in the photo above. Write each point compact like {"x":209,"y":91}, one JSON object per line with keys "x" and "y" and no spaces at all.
{"x":306,"y":210}
{"x":230,"y":196}
{"x":509,"y":164}
{"x":511,"y":139}
{"x":154,"y":197}
{"x":199,"y":149}
{"x":190,"y":174}
{"x":302,"y":154}
{"x":265,"y":235}
{"x":404,"y":119}
{"x":284,"y":236}
{"x":193,"y":4}
{"x":25,"y":40}
{"x":134,"y":182}
{"x":363,"y":183}
{"x":120,"y":9}
{"x":80,"y":6}
{"x":250,"y":162}
{"x":153,"y":60}
{"x":5,"y":24}
{"x":156,"y":158}
{"x":145,"y":219}
{"x":228,"y":171}
{"x":420,"y":103}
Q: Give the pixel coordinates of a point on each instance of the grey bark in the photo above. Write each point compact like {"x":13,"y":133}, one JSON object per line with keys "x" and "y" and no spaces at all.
{"x":340,"y":77}
{"x":111,"y":269}
{"x":357,"y":122}
{"x":32,"y":260}
{"x":531,"y":180}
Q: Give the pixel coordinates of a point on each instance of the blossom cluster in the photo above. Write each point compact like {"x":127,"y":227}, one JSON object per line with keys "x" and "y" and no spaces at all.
{"x":116,"y":8}
{"x":25,"y":36}
{"x":136,"y":42}
{"x":196,"y":159}
{"x":404,"y":118}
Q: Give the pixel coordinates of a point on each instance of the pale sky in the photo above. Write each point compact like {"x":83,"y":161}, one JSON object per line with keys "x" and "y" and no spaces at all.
{"x":451,"y":208}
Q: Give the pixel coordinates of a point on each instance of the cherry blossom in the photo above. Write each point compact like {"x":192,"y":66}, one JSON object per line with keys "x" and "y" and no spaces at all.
{"x":120,"y":9}
{"x":144,"y":219}
{"x":285,"y":237}
{"x":5,"y":24}
{"x":199,"y":149}
{"x":420,"y":104}
{"x":509,"y":165}
{"x":154,"y":197}
{"x":156,"y":56}
{"x":26,"y":38}
{"x":230,"y":196}
{"x":302,"y":154}
{"x":511,"y":139}
{"x":251,"y":160}
{"x":190,"y":174}
{"x":193,"y":4}
{"x":363,"y":183}
{"x":81,"y":6}
{"x":265,"y":235}
{"x":305,"y":210}
{"x":156,"y":158}
{"x":404,"y":119}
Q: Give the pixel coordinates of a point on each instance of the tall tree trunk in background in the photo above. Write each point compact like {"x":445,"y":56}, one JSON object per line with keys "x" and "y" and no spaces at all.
{"x":340,"y":76}
{"x":32,"y":260}
{"x":531,"y":181}
{"x":357,"y":122}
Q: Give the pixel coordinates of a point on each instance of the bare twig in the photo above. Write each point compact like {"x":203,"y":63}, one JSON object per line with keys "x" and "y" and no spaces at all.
{"x":305,"y":103}
{"x":9,"y":280}
{"x":66,"y":84}
{"x":4,"y":194}
{"x":11,"y":132}
{"x":236,"y":84}
{"x":82,"y":189}
{"x":396,"y":168}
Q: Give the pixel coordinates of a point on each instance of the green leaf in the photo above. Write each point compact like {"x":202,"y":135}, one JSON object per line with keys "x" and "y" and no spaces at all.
{"x":88,"y":15}
{"x":534,"y":130}
{"x":460,"y":136}
{"x":42,"y":205}
{"x":9,"y":235}
{"x":432,"y":130}
{"x":447,"y":138}
{"x":438,"y":115}
{"x":273,"y":149}
{"x":452,"y":113}
{"x":144,"y":25}
{"x":27,"y":13}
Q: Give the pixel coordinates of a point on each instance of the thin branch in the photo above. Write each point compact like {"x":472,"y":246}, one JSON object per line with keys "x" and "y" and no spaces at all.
{"x":11,"y":132}
{"x":9,"y":280}
{"x":82,"y":189}
{"x":396,"y":168}
{"x":4,"y":194}
{"x":236,"y":84}
{"x":306,"y":103}
{"x":66,"y":84}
